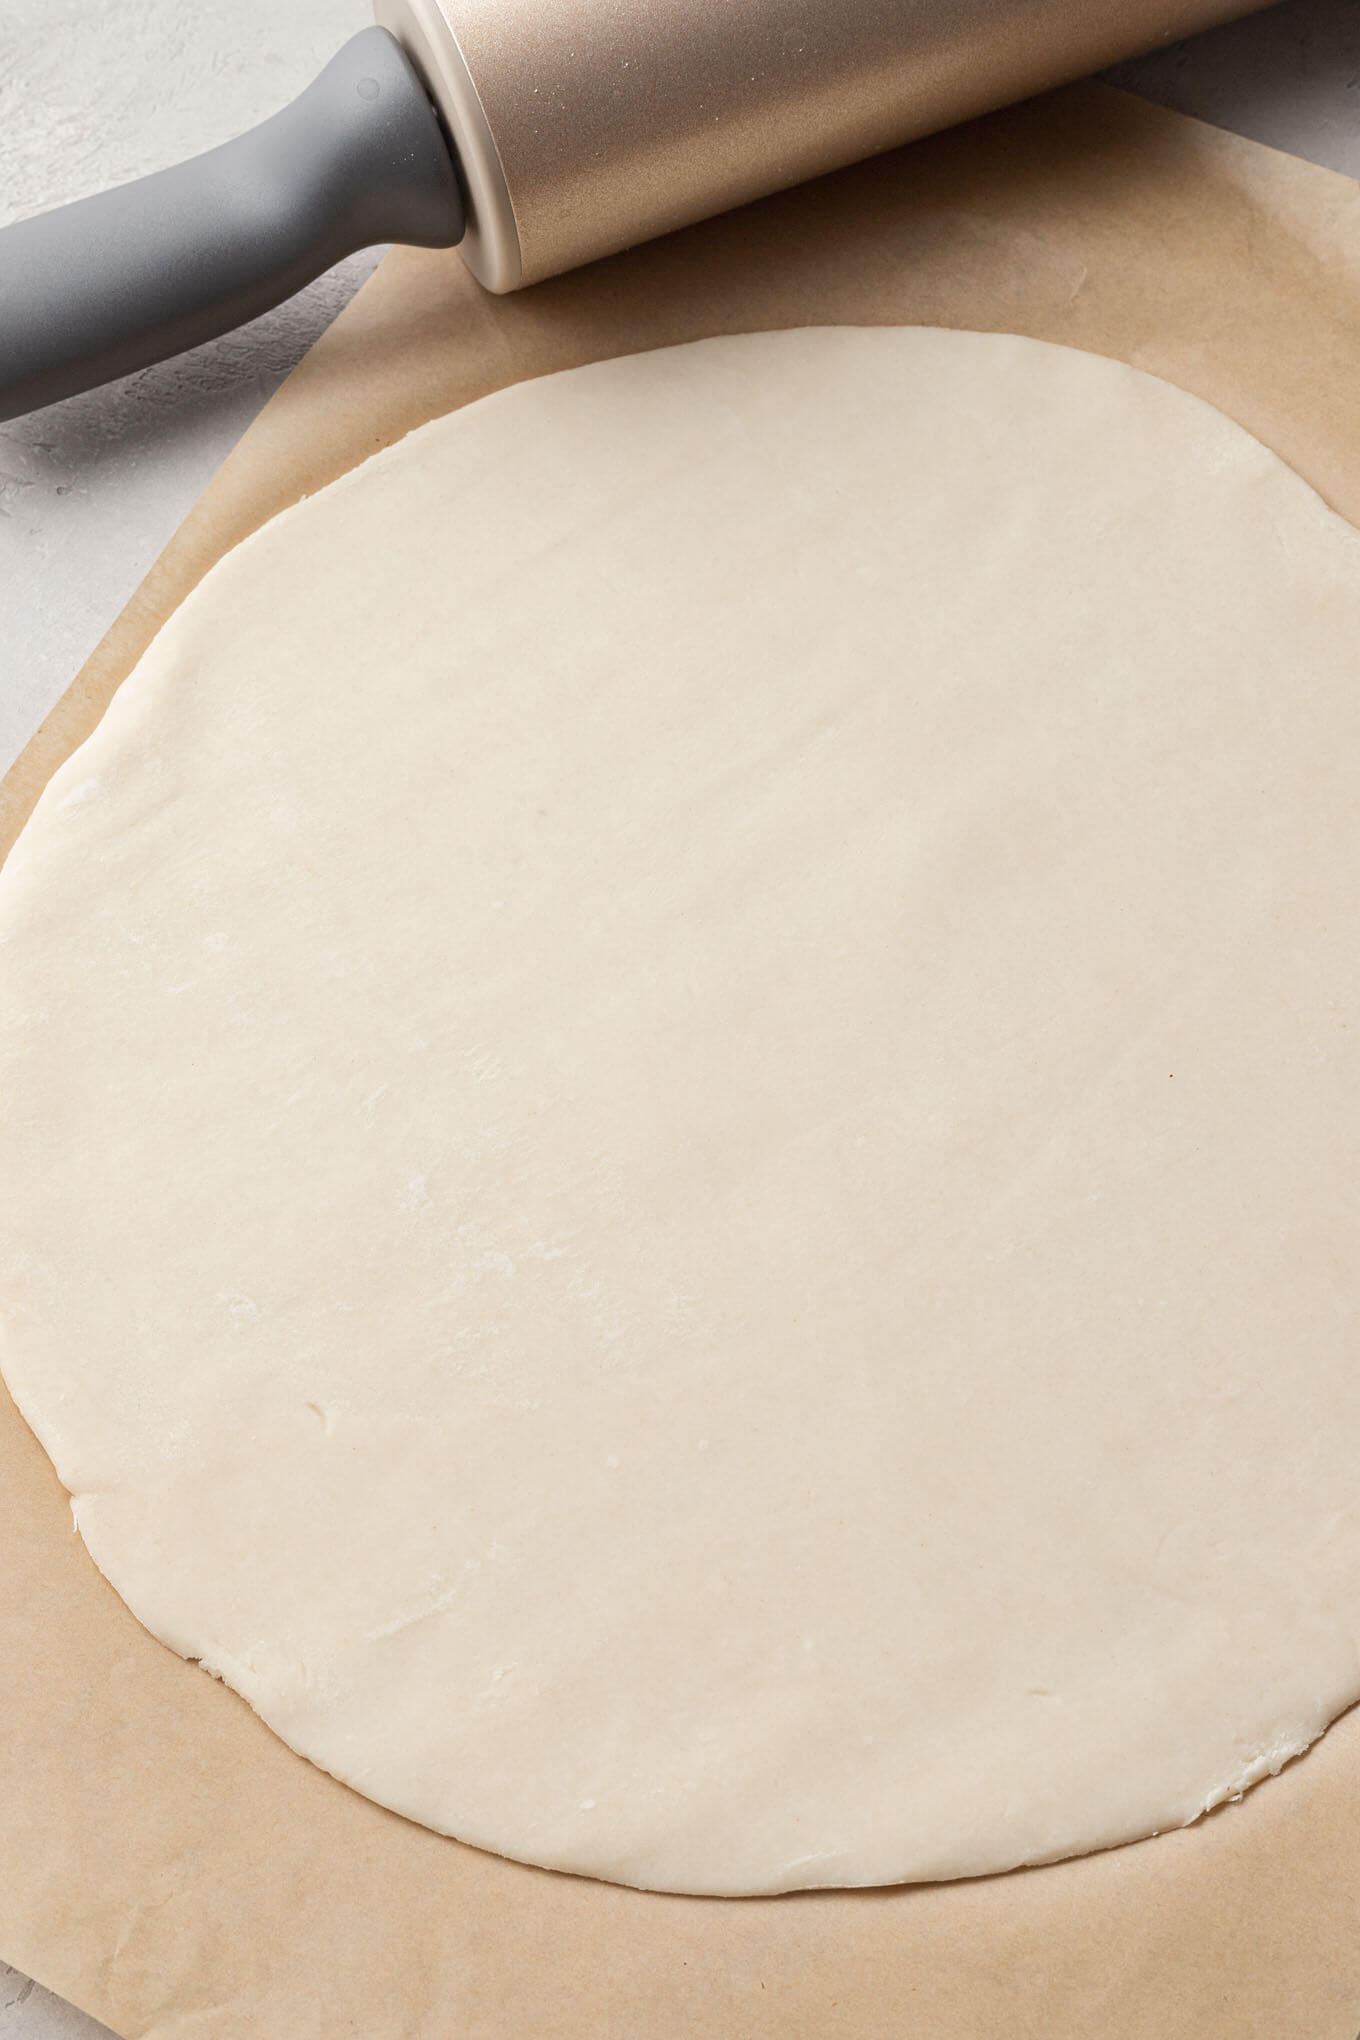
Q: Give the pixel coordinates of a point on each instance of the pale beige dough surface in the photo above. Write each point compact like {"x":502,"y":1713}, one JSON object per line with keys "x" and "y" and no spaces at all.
{"x":679,"y":1108}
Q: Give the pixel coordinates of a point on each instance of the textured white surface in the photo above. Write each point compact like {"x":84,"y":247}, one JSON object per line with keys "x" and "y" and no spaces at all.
{"x":95,"y":90}
{"x":28,"y":2012}
{"x":1289,"y":77}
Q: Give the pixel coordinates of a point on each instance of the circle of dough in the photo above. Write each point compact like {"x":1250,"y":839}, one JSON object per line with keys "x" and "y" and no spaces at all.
{"x":680,"y":1106}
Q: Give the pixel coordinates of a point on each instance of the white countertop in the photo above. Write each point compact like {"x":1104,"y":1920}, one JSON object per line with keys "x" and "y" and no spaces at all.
{"x":95,"y":91}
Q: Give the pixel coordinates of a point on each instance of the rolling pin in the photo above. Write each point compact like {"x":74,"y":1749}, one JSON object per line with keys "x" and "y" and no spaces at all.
{"x":533,"y":134}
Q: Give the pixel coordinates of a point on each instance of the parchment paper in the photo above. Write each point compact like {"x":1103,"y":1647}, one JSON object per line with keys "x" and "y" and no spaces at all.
{"x":169,"y":1865}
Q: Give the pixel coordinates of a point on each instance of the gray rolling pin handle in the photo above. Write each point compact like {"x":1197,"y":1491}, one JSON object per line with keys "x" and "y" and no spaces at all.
{"x":97,"y":289}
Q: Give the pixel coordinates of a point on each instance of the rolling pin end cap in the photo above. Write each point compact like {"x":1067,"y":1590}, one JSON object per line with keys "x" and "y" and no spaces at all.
{"x":491,"y":244}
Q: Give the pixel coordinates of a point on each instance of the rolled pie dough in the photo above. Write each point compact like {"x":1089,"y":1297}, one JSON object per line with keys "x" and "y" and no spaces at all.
{"x":680,"y":1110}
